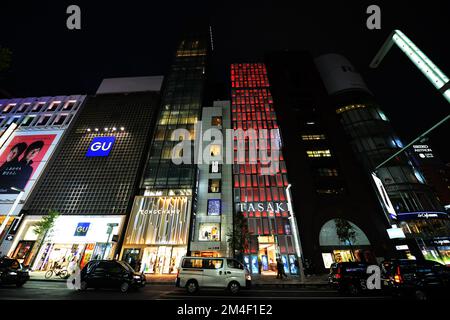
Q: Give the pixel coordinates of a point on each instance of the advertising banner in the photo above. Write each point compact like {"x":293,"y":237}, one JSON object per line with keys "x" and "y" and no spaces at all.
{"x":22,"y":159}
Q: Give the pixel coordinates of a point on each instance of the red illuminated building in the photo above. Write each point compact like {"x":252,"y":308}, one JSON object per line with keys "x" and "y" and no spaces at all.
{"x":260,"y":192}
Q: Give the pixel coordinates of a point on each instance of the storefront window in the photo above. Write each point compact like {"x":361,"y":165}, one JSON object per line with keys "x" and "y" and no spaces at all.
{"x":216,"y":121}
{"x":214,"y":185}
{"x":209,"y":232}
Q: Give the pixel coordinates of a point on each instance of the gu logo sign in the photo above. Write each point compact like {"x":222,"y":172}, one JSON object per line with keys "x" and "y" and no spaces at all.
{"x":100,"y":147}
{"x":82,"y":229}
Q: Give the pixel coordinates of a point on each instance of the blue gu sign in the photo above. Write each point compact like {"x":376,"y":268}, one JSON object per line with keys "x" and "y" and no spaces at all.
{"x":82,"y":229}
{"x":100,"y":147}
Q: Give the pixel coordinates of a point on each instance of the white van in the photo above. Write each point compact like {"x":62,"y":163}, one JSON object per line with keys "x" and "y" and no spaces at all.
{"x":227,"y":273}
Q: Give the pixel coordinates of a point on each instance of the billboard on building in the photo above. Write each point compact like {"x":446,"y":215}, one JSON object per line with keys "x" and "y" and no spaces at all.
{"x":22,"y":159}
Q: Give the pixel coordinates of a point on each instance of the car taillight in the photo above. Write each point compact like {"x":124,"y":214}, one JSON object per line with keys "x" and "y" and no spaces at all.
{"x":178,"y":273}
{"x":398,"y":276}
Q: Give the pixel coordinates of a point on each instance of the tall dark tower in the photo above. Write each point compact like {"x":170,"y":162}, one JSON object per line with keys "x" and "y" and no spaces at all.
{"x":330,"y":189}
{"x":417,"y":209}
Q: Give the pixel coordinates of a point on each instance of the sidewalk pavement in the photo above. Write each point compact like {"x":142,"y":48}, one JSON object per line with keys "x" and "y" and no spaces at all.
{"x":314,"y":281}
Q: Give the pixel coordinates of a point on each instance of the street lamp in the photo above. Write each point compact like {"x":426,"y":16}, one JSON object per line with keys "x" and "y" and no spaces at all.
{"x":298,"y":248}
{"x":111,"y":227}
{"x":439,"y":80}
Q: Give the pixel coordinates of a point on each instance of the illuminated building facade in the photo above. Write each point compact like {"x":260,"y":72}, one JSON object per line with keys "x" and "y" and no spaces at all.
{"x":213,"y":220}
{"x":417,"y":210}
{"x":92,"y":179}
{"x":260,"y":191}
{"x":160,"y":239}
{"x":26,"y":122}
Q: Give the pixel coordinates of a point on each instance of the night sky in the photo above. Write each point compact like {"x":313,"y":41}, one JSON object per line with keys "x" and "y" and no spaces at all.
{"x":137,"y":38}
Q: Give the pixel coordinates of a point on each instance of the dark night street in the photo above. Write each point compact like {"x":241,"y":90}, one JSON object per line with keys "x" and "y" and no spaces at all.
{"x":50,"y":290}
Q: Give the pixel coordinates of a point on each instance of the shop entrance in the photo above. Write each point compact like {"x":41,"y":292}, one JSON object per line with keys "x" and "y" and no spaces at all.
{"x":343,"y":256}
{"x":63,"y":254}
{"x":265,"y":262}
{"x":23,"y":251}
{"x":267,"y":256}
{"x":162,"y":259}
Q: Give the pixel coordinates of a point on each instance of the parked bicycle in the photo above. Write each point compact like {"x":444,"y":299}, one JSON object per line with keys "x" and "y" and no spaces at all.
{"x":62,"y":273}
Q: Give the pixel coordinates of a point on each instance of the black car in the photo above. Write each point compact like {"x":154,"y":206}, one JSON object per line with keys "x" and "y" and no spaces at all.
{"x":13,"y":272}
{"x":348,"y":277}
{"x":421,"y":279}
{"x":110,"y":274}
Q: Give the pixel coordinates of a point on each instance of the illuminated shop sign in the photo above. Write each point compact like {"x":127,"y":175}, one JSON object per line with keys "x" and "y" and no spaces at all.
{"x":384,"y":197}
{"x":86,"y":229}
{"x":422,"y":215}
{"x":396,"y":233}
{"x":209,"y":232}
{"x":100,"y":147}
{"x":423,"y":151}
{"x":443,"y":242}
{"x":82,"y":229}
{"x":214,"y":207}
{"x":169,"y":210}
{"x":264,"y":206}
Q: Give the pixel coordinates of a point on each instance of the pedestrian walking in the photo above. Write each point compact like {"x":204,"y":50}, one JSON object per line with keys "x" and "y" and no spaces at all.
{"x":280,"y":269}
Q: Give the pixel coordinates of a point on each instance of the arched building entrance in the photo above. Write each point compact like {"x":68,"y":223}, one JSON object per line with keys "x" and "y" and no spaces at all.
{"x":341,"y":241}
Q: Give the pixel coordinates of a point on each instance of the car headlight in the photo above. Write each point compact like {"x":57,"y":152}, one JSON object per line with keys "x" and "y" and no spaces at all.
{"x":12,"y":273}
{"x":137,"y":277}
{"x":248,"y":277}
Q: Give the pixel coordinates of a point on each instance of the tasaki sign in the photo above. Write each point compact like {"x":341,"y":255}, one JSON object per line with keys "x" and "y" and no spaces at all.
{"x":100,"y":147}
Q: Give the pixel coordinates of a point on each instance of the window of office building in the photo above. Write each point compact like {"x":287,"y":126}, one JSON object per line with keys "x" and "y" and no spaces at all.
{"x":27,"y":121}
{"x":38,"y":107}
{"x":69,"y":105}
{"x":308,"y":137}
{"x":215,"y":150}
{"x":216,"y":121}
{"x":53,"y":106}
{"x":43,"y":120}
{"x":318,"y":153}
{"x":327,"y":172}
{"x":59,"y":120}
{"x":330,"y":191}
{"x":9,"y":107}
{"x":214,"y":207}
{"x":23,"y":108}
{"x":215,"y":167}
{"x":214,"y":185}
{"x":14,"y":120}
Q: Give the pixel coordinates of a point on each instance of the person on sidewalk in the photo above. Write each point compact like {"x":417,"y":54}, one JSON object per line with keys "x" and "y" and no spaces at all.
{"x":259,"y":265}
{"x":278,"y":268}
